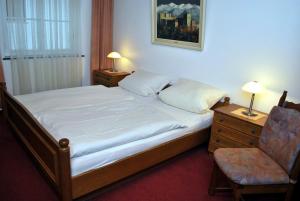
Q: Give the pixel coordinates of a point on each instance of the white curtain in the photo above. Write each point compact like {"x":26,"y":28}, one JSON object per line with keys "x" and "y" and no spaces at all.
{"x":42,"y":38}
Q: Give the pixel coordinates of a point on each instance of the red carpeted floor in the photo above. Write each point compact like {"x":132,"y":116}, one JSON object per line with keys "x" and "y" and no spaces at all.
{"x":184,"y":178}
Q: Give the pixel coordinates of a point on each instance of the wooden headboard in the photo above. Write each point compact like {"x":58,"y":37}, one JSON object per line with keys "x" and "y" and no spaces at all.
{"x":221,"y":103}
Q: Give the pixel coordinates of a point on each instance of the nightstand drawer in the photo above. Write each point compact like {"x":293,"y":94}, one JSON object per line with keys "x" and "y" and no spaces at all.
{"x":222,"y":141}
{"x":99,"y":75}
{"x":248,"y":140}
{"x":107,"y":78}
{"x":103,"y":82}
{"x":237,"y":124}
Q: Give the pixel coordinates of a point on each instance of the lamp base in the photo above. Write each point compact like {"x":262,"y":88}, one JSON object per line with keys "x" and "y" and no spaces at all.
{"x":249,"y":114}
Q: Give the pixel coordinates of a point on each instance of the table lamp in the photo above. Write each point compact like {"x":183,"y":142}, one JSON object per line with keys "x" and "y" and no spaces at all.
{"x":252,"y":87}
{"x":114,"y":56}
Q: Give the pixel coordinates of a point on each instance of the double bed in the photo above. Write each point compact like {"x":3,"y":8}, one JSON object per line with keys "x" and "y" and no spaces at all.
{"x":86,"y":138}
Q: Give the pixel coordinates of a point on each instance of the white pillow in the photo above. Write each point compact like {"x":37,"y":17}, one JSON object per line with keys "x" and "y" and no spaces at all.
{"x":144,"y":83}
{"x":191,"y":96}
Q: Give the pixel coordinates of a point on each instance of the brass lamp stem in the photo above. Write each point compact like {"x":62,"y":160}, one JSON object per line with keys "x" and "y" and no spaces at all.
{"x":113,"y":66}
{"x":251,"y":104}
{"x":249,"y":112}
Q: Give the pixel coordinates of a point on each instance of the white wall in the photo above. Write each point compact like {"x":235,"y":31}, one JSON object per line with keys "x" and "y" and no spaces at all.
{"x":244,"y":41}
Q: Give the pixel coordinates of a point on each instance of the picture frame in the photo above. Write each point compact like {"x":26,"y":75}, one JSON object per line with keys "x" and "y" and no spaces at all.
{"x":178,"y":23}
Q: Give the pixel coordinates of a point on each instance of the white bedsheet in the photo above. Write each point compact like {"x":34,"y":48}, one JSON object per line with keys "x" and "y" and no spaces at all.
{"x":193,"y":121}
{"x":102,"y":158}
{"x":96,"y":118}
{"x":68,"y":100}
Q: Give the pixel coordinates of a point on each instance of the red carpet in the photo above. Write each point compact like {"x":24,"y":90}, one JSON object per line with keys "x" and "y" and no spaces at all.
{"x":185,"y":178}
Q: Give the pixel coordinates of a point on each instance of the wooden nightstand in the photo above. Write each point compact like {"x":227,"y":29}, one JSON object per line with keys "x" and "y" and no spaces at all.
{"x":108,"y":78}
{"x":231,"y":130}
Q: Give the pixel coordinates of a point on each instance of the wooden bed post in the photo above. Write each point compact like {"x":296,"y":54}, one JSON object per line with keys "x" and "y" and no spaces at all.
{"x":2,"y":89}
{"x":226,"y":101}
{"x":65,"y":181}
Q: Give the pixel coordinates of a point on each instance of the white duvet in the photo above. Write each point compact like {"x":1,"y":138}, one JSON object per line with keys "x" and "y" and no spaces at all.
{"x":95,"y":118}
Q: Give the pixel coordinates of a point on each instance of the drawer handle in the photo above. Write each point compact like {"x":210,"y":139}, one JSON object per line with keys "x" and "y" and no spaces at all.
{"x":217,"y":140}
{"x":253,"y":131}
{"x":219,"y":130}
{"x":251,"y":143}
{"x":221,"y":120}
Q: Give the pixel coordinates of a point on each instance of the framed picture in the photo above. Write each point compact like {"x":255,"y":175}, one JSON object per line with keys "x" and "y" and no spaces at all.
{"x":178,"y":23}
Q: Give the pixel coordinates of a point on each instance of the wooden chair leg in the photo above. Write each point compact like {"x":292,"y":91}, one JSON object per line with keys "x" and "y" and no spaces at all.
{"x":213,"y":180}
{"x":236,"y":192}
{"x":289,"y":193}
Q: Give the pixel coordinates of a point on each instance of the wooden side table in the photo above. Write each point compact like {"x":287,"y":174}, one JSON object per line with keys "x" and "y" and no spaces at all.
{"x":108,"y":78}
{"x":232,"y":130}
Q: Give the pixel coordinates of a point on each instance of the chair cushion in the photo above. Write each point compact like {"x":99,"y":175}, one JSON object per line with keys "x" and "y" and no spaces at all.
{"x":249,"y":166}
{"x":280,"y":138}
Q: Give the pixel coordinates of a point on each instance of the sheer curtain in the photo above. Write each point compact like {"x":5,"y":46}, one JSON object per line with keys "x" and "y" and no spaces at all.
{"x":42,"y":38}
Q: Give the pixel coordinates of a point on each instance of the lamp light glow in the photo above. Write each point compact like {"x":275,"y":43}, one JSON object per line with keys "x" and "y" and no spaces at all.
{"x":114,"y":56}
{"x":252,"y":87}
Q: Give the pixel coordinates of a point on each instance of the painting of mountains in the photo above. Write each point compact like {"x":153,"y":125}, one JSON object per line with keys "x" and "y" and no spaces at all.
{"x":178,"y":22}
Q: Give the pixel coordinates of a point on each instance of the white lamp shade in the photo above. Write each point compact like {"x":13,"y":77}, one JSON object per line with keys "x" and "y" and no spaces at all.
{"x":114,"y":55}
{"x":252,"y":87}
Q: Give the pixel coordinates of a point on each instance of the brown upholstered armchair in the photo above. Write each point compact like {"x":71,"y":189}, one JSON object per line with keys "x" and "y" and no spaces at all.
{"x":274,"y":166}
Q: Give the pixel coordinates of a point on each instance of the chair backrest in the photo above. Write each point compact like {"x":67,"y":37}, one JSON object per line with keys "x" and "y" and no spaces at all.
{"x":283,"y":103}
{"x":280,"y":138}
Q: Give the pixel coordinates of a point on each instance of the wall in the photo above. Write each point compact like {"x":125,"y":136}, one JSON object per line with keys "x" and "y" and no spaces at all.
{"x":244,"y":41}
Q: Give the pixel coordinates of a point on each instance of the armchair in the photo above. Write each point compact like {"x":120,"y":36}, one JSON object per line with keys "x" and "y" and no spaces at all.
{"x":274,"y":166}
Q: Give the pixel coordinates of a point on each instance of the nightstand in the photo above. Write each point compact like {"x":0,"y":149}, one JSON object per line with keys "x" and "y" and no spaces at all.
{"x":234,"y":130}
{"x":108,"y":78}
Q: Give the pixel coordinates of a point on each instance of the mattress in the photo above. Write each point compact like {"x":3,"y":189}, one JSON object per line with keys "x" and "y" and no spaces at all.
{"x":88,"y":109}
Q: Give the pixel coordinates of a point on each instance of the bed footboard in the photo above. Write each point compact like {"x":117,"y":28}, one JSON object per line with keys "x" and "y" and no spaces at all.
{"x":51,"y":156}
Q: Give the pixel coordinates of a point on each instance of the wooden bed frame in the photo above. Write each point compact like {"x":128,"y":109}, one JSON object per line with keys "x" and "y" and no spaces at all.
{"x":53,"y":157}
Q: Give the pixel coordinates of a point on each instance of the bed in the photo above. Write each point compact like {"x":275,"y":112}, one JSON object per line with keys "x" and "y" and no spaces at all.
{"x":75,"y":172}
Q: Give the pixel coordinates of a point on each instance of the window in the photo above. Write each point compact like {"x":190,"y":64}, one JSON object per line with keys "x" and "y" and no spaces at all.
{"x":37,"y":25}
